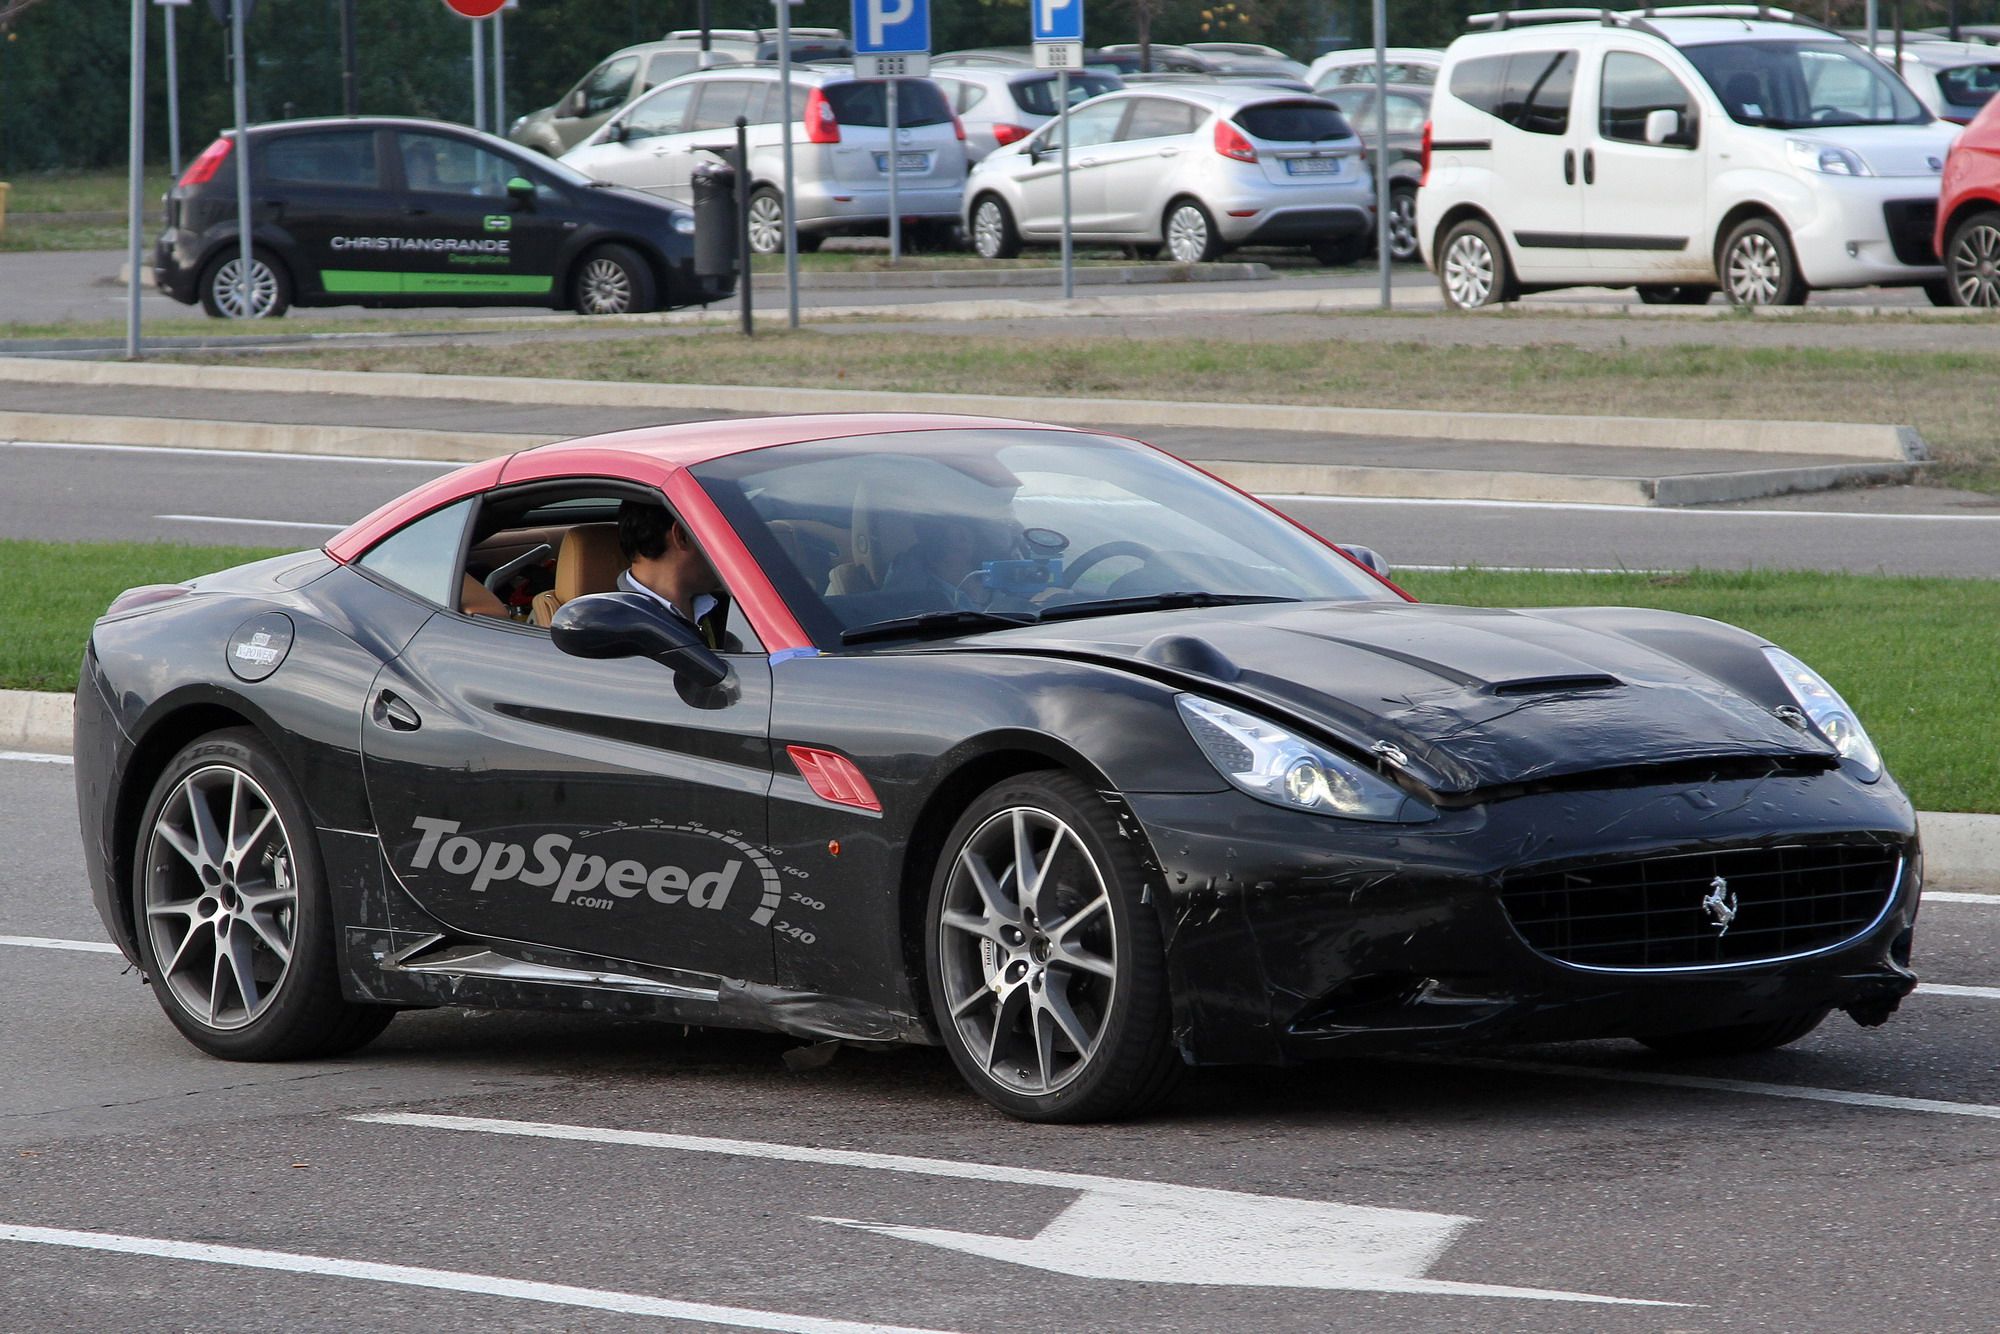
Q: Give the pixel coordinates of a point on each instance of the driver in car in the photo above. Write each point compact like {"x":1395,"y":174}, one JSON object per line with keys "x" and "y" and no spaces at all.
{"x":663,"y":563}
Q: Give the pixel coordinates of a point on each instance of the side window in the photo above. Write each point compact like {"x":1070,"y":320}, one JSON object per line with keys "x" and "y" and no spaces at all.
{"x":344,"y":158}
{"x":439,"y":164}
{"x":721,"y":102}
{"x":1539,"y":83}
{"x":608,"y":85}
{"x":1158,"y":118}
{"x":1476,"y":82}
{"x":1089,"y":127}
{"x":1406,"y":114}
{"x":670,"y":65}
{"x":1357,"y":104}
{"x":1636,"y":86}
{"x":665,"y":112}
{"x":422,"y":557}
{"x":970,"y":95}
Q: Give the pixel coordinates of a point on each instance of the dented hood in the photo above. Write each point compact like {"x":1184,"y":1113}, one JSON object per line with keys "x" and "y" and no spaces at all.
{"x":1474,"y":698}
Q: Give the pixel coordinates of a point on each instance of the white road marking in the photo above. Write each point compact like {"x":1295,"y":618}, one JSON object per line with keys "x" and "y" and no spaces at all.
{"x":1945,"y":989}
{"x":47,"y":943}
{"x":1526,"y":569}
{"x":1120,"y":1229}
{"x":251,"y":523}
{"x":444,"y":1280}
{"x":35,"y":757}
{"x":1591,"y":507}
{"x":1940,"y":896}
{"x":238,"y":454}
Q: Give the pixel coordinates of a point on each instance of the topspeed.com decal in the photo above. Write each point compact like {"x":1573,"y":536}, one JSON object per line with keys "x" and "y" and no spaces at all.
{"x":585,"y":879}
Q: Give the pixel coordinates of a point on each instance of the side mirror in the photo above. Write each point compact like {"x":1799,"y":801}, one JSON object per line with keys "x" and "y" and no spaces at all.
{"x":522,"y":191}
{"x":572,"y":105}
{"x":615,"y":132}
{"x":1662,"y":124}
{"x":1369,"y":557}
{"x":631,"y":625}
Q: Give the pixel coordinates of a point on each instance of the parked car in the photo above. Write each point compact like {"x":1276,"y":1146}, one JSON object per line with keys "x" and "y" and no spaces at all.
{"x":840,"y":149}
{"x":617,"y":79}
{"x":1405,"y":64}
{"x":387,"y":211}
{"x":1023,"y":57}
{"x":1194,"y":168}
{"x":1409,"y":110}
{"x":1030,"y":742}
{"x":1162,"y":58}
{"x":755,"y":45}
{"x":1968,"y":231}
{"x":1678,"y":155}
{"x":1953,"y":79}
{"x":998,"y":105}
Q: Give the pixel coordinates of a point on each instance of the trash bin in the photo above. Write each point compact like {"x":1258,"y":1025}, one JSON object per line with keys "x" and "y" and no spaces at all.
{"x":715,"y":223}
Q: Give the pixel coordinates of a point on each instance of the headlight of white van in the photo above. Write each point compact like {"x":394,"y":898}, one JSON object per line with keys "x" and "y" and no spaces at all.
{"x":1809,"y":156}
{"x":1827,"y":711}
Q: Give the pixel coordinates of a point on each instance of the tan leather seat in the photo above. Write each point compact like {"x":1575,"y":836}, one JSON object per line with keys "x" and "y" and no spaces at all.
{"x":587,"y":562}
{"x":878,"y":534}
{"x":474,"y":600}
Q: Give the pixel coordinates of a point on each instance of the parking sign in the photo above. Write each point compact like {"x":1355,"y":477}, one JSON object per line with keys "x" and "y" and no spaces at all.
{"x":891,"y":26}
{"x":1057,"y":20}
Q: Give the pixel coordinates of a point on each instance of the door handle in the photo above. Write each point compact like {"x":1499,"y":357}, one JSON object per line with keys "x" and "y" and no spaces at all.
{"x":1087,"y":162}
{"x":393,"y":712}
{"x":1170,"y":152}
{"x":1569,"y":166}
{"x":413,"y":211}
{"x":1590,"y":166}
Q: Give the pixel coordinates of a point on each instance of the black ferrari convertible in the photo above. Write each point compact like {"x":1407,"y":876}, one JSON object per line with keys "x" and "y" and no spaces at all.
{"x":1029,"y":741}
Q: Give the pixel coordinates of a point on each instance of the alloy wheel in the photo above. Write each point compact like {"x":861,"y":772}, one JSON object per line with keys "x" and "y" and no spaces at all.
{"x":1402,"y":226}
{"x":1468,"y":271}
{"x":1975,"y":265}
{"x":1028,"y":949}
{"x":767,"y":225}
{"x":220,"y":897}
{"x":1187,"y":235}
{"x":604,"y":288}
{"x":263,"y":296}
{"x":1754,"y":271}
{"x":989,"y":230}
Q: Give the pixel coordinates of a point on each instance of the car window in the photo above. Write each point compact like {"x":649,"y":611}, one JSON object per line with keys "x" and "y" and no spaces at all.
{"x":1089,"y":126}
{"x":1795,"y":85}
{"x":670,"y":64}
{"x":1365,"y":73}
{"x":1407,"y":114}
{"x":866,"y":103}
{"x":422,"y":557}
{"x":1969,"y":87}
{"x":1634,"y":87}
{"x":1293,"y":122}
{"x":1529,"y":90}
{"x":1357,"y":104}
{"x":1159,"y":118}
{"x":665,"y":112}
{"x":343,"y":158}
{"x":608,"y":85}
{"x":441,"y":164}
{"x":1036,"y":95}
{"x":722,"y":101}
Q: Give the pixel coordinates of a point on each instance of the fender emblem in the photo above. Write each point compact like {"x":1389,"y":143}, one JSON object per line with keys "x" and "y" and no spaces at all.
{"x":1720,"y":905}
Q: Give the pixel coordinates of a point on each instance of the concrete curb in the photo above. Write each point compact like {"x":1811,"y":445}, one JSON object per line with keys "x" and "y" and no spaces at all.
{"x":371,"y":442}
{"x":1898,"y":444}
{"x":1959,"y":850}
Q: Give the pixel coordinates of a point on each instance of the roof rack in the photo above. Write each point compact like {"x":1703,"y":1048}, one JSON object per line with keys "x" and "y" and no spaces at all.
{"x":1637,"y":18}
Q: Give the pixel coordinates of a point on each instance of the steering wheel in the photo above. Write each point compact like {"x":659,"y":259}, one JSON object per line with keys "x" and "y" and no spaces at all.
{"x":1103,"y":551}
{"x":1820,"y":115}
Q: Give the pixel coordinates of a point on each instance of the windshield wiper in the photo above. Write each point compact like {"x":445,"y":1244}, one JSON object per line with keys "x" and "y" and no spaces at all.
{"x":1154,"y":602}
{"x":932,"y":622}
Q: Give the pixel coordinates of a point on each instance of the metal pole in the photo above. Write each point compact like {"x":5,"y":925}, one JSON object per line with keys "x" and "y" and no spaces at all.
{"x":173,"y":100}
{"x":478,"y":75}
{"x":895,"y":209}
{"x":350,"y":100}
{"x":790,"y":221}
{"x":1068,"y":249}
{"x":743,"y":226}
{"x":135,"y":177}
{"x":1382,"y":255}
{"x":499,"y":72}
{"x":701,"y":19}
{"x":243,"y":219}
{"x":1871,"y":25}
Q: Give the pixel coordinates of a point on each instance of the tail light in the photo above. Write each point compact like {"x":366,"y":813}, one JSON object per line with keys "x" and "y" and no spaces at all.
{"x":822,"y":126}
{"x":1229,"y":142}
{"x":959,"y":126}
{"x":203,"y":169}
{"x":1004,"y":134}
{"x":1424,"y":157}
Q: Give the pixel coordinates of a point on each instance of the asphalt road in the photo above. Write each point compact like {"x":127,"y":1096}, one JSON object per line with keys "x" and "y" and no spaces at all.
{"x":700,"y":1183}
{"x":71,"y":492}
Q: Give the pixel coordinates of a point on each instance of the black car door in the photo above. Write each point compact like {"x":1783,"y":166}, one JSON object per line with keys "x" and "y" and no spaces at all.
{"x":467,"y":241}
{"x":326,"y":193}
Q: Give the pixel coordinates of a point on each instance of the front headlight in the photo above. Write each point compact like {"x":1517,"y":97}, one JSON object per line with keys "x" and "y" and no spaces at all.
{"x":1285,"y":769}
{"x":684,"y":223}
{"x":1828,"y":712}
{"x":1809,"y":156}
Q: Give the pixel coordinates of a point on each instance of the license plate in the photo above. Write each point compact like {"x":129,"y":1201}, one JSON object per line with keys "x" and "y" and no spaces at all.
{"x":904,"y":162}
{"x":1312,"y":166}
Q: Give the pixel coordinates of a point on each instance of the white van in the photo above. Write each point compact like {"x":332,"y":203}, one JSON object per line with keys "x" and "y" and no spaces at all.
{"x":1677,"y":151}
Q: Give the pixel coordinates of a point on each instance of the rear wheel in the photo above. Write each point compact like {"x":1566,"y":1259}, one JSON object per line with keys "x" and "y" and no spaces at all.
{"x":1738,"y":1039}
{"x":234,"y":927}
{"x":1190,"y":233}
{"x":993,"y":233}
{"x":1758,"y":267}
{"x":1472,"y":267}
{"x":767,"y":222}
{"x":1972,"y":261}
{"x":612,"y":280}
{"x":1047,"y":974}
{"x":1656,"y":295}
{"x":270,"y":293}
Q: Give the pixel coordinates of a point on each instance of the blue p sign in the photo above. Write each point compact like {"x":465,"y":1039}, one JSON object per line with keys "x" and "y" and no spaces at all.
{"x":892,"y":25}
{"x":1057,"y":20}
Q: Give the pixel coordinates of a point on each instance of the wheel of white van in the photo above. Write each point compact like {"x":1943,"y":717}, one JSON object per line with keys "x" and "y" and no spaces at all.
{"x":1654,"y":294}
{"x":612,"y":280}
{"x":1403,"y":225}
{"x":1758,"y":267}
{"x":1191,"y":237}
{"x":1472,"y":267}
{"x":270,"y":286}
{"x":1046,"y":970}
{"x":993,"y":233}
{"x":1972,"y":261}
{"x":235,"y":931}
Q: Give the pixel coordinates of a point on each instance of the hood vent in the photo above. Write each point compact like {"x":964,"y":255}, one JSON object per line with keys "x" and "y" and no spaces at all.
{"x":1549,"y":685}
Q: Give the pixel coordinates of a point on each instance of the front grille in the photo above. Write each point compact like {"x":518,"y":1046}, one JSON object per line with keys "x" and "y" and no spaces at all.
{"x":1649,"y":913}
{"x":1911,"y":223}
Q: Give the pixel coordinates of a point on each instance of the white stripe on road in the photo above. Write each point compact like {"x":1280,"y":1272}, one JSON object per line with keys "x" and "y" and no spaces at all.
{"x":49,"y":943}
{"x":1938,"y":896}
{"x":1526,"y":569}
{"x":442,"y":1280}
{"x":235,"y":454}
{"x":251,"y":523}
{"x":1945,"y":989}
{"x":1591,"y":507}
{"x":35,"y":757}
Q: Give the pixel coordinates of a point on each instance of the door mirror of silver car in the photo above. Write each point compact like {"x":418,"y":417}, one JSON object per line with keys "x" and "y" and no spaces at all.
{"x":615,"y":132}
{"x":1662,"y":124}
{"x":632,"y":625}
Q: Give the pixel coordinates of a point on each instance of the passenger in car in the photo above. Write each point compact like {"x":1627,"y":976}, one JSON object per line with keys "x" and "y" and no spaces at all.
{"x":663,"y":561}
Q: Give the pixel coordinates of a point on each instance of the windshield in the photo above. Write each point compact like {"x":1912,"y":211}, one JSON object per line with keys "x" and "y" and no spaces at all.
{"x":1014,"y":523}
{"x":1798,"y":85}
{"x":1036,"y":94}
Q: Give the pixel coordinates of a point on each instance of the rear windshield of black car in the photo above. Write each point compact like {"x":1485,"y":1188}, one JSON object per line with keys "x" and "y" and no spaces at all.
{"x":1293,"y":122}
{"x":1037,"y":96}
{"x":866,"y":102}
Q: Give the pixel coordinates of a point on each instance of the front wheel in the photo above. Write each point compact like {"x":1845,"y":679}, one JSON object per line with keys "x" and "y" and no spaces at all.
{"x":1972,"y":262}
{"x":994,"y":235}
{"x":1190,"y":232}
{"x":1047,"y":974}
{"x":235,"y":930}
{"x":269,"y":294}
{"x":1472,"y":267}
{"x":1758,"y":267}
{"x":1737,"y":1039}
{"x":613,"y":280}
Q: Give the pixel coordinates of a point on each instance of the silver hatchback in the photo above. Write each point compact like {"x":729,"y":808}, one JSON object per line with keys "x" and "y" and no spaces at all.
{"x":1192,"y":169}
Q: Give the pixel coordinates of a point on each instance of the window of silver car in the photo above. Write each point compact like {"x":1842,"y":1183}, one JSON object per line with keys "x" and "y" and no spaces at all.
{"x":1036,"y":93}
{"x":1160,"y":118}
{"x":666,"y":65}
{"x":665,"y":112}
{"x":1634,"y":87}
{"x":608,"y":85}
{"x":1088,"y":126}
{"x":722,"y":101}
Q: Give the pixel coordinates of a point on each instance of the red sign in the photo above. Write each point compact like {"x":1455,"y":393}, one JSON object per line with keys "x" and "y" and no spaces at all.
{"x":476,"y":9}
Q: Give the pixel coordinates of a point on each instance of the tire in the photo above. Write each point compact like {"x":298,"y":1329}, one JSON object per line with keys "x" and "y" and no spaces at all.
{"x":1736,"y":1040}
{"x":994,"y":235}
{"x":1065,"y":1023}
{"x":767,"y":221}
{"x":1758,"y":267}
{"x":1344,"y":250}
{"x":1472,"y":267}
{"x":210,"y":909}
{"x":1190,"y":233}
{"x":270,"y":285}
{"x":1403,"y":225}
{"x":1972,"y":262}
{"x":1684,"y":295}
{"x":612,"y":280}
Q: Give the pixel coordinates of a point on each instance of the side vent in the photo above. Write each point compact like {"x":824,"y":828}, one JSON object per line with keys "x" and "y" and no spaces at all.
{"x":1549,"y":685}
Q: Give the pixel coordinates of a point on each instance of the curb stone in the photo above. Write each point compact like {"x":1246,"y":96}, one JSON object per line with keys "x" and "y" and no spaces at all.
{"x":1959,"y":850}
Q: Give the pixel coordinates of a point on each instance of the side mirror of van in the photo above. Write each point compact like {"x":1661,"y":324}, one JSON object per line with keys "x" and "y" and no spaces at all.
{"x":572,"y":105}
{"x":1662,"y":124}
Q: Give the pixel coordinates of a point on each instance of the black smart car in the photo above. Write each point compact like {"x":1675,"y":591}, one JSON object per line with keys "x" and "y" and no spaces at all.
{"x":386,"y":211}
